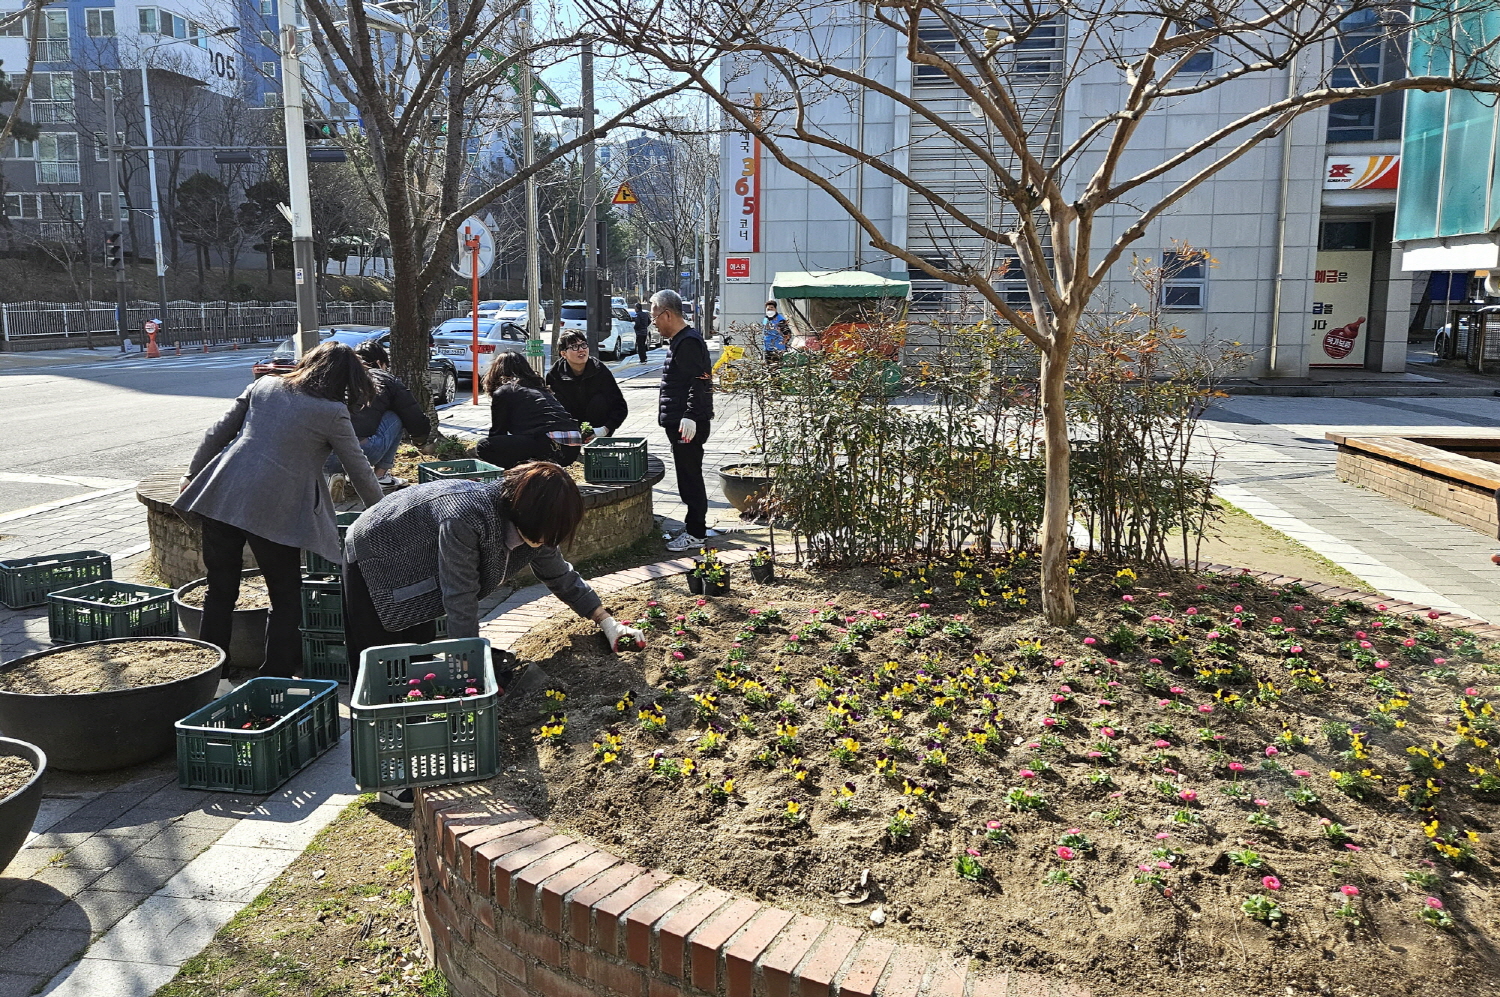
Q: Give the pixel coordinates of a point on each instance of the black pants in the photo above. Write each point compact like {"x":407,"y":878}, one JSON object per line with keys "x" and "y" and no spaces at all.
{"x":688,"y":459}
{"x":280,"y":566}
{"x":362,"y":627}
{"x":642,"y":344}
{"x":508,"y":451}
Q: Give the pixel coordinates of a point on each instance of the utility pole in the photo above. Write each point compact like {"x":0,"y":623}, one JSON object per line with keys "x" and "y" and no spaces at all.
{"x":299,"y":193}
{"x":533,"y":256}
{"x":116,"y":231}
{"x":591,"y":293}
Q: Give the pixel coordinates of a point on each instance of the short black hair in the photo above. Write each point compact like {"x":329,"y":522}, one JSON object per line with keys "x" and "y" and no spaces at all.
{"x":573,"y":338}
{"x":543,"y":502}
{"x":372,"y":354}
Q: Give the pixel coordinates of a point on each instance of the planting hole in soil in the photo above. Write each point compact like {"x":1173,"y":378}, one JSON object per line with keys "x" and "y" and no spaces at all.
{"x":1206,"y":778}
{"x":108,"y":667}
{"x":15,"y":772}
{"x":253,"y":594}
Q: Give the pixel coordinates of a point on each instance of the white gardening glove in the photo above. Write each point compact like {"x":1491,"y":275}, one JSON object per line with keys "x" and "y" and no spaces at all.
{"x":601,"y":432}
{"x":614,"y":632}
{"x":687,"y":429}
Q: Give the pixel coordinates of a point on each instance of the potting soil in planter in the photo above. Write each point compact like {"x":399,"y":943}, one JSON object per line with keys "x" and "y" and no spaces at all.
{"x":15,"y":772}
{"x":108,"y":667}
{"x":253,"y":594}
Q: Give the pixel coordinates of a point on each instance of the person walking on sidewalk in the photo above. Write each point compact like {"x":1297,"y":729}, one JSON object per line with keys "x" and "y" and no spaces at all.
{"x":526,"y":422}
{"x":257,"y":478}
{"x":586,"y":387}
{"x":642,"y":319}
{"x":378,"y":424}
{"x":685,"y":411}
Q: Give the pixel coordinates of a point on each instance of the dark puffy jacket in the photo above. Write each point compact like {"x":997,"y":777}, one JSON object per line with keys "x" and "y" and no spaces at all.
{"x":517,"y":410}
{"x":685,"y":390}
{"x":390,"y":396}
{"x":592,"y":397}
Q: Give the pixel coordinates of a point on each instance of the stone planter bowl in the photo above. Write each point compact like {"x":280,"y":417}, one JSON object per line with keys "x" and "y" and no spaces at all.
{"x":743,"y":483}
{"x":18,"y":810}
{"x":247,"y":631}
{"x":98,"y":731}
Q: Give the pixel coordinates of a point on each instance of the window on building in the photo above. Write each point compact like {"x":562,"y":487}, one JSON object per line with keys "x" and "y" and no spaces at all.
{"x":1198,"y":62}
{"x":19,"y":148}
{"x":63,"y":206}
{"x":1364,"y":54}
{"x":155,"y":21}
{"x":19,"y":206}
{"x":939,"y":41}
{"x":267,"y":8}
{"x":101,"y":145}
{"x":268,"y":70}
{"x":100,"y":79}
{"x":147,"y":18}
{"x":1346,"y":236}
{"x":271,"y":98}
{"x":1184,"y":281}
{"x":52,"y":99}
{"x":57,"y":157}
{"x":53,"y":45}
{"x":13,"y":29}
{"x":1040,"y":52}
{"x":107,"y":206}
{"x":100,"y":22}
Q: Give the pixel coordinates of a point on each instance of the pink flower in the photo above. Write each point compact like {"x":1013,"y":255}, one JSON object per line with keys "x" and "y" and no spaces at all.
{"x":1275,"y":619}
{"x":1352,"y":847}
{"x":1032,"y":745}
{"x":1163,"y":702}
{"x":1439,"y":661}
{"x":1382,"y":664}
{"x":1065,"y":688}
{"x":1127,"y":598}
{"x":1205,"y":707}
{"x":414,"y":694}
{"x":1158,"y":743}
{"x":1239,"y":609}
{"x":1095,"y":754}
{"x":1089,"y":640}
{"x":430,"y":676}
{"x":1270,"y":882}
{"x":754,"y":612}
{"x":793,"y":637}
{"x":1058,"y":663}
{"x":924,"y":605}
{"x":1434,"y":903}
{"x":1192,"y":610}
{"x":1176,"y":690}
{"x":1296,"y":648}
{"x":1164,"y":595}
{"x":1163,"y":835}
{"x":1112,"y":684}
{"x":1187,"y":796}
{"x":1271,"y":751}
{"x":1049,"y":721}
{"x":414,"y":682}
{"x":973,"y":852}
{"x":1059,"y":699}
{"x":1107,"y":731}
{"x":1115,"y":796}
{"x":651,"y":603}
{"x":993,"y":825}
{"x":1164,"y":865}
{"x":1471,"y":691}
{"x":1360,"y":634}
{"x":1297,"y":609}
{"x":1202,"y":587}
{"x":1144,"y":867}
{"x":1167,"y":892}
{"x":1065,"y":853}
{"x":1380,"y":607}
{"x":1026,"y":774}
{"x":470,"y":691}
{"x":1349,"y":891}
{"x":678,"y":655}
{"x":1261,"y":803}
{"x":1433,"y":614}
{"x":1409,"y":642}
{"x":1154,"y":618}
{"x":1214,"y":635}
{"x":1236,"y":766}
{"x":678,"y":618}
{"x":1301,"y":773}
{"x":704,"y":602}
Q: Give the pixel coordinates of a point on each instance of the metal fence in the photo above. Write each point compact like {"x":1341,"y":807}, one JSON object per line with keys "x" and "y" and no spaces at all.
{"x":196,"y":322}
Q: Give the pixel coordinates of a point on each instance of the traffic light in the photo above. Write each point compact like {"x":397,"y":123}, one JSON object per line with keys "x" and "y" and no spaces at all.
{"x":114,"y":255}
{"x":320,"y":131}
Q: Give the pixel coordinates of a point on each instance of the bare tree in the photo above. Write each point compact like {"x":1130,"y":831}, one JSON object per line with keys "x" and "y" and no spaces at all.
{"x":669,"y":176}
{"x":1069,"y":209}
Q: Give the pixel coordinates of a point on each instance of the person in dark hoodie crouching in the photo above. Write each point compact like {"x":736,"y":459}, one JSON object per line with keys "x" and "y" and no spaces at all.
{"x":586,"y":387}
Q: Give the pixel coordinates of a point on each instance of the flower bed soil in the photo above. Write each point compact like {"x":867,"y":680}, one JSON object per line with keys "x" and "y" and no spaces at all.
{"x":253,"y":594}
{"x":108,"y":667}
{"x":1226,"y":786}
{"x":15,"y":772}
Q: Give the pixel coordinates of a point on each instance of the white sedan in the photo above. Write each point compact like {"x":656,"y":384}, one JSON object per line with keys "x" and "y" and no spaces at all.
{"x":454,"y":339}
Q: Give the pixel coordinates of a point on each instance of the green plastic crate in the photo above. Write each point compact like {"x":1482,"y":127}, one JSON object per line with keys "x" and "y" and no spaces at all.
{"x":26,"y":581}
{"x":450,"y":470}
{"x":88,"y":612}
{"x":322,"y":604}
{"x":324,"y":655}
{"x":213,"y":752}
{"x":614,"y":459}
{"x":317,"y":564}
{"x":398,"y":744}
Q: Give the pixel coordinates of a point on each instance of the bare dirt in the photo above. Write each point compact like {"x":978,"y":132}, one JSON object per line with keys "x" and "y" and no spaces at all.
{"x":1238,"y":538}
{"x":108,"y":667}
{"x":1005,"y":795}
{"x":15,"y":772}
{"x":253,"y":594}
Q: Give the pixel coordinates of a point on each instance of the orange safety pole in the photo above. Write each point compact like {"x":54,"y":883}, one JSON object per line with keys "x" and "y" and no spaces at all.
{"x":472,"y":244}
{"x":152,"y":350}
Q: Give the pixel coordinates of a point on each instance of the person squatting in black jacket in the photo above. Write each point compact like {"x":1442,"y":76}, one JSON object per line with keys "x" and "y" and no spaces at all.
{"x":685,"y":410}
{"x":526,"y":422}
{"x":379,"y":424}
{"x":585,"y":387}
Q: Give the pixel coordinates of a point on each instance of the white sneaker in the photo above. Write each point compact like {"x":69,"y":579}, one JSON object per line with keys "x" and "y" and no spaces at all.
{"x":685,"y":541}
{"x":404,"y":799}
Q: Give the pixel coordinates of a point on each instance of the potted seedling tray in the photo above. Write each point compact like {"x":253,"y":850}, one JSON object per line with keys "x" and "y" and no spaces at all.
{"x":317,"y":564}
{"x":257,"y":737}
{"x":26,"y":581}
{"x":614,"y":460}
{"x":451,"y":470}
{"x":108,"y":609}
{"x":410,"y":730}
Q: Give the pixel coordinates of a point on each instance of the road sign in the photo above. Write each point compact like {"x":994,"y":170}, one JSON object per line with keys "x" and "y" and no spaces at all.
{"x":534,"y":348}
{"x":625,"y":195}
{"x":472,"y":227}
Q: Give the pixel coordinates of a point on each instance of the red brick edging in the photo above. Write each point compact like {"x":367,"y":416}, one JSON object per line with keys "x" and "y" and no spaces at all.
{"x":509,"y":906}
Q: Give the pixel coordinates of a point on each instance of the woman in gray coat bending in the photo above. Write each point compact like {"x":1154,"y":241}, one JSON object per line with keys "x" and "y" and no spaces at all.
{"x":257,"y":478}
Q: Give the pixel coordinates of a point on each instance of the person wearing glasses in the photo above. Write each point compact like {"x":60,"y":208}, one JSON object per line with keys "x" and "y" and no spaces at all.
{"x":526,"y":422}
{"x":586,"y":387}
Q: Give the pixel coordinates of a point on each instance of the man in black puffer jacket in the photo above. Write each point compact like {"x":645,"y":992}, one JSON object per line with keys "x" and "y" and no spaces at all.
{"x":687,"y":406}
{"x":586,"y":387}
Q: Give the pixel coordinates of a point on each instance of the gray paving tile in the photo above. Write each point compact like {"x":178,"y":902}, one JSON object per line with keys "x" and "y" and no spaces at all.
{"x":180,"y":841}
{"x":139,"y":875}
{"x":19,"y":984}
{"x":94,"y":911}
{"x":96,"y":813}
{"x":161,"y":929}
{"x":17,"y":918}
{"x":27,"y":861}
{"x":45,"y":951}
{"x":100,"y":852}
{"x":94,"y":977}
{"x":60,"y":880}
{"x":170,"y":797}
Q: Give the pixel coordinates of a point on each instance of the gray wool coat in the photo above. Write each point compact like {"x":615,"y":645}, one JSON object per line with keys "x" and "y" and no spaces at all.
{"x":260,"y":467}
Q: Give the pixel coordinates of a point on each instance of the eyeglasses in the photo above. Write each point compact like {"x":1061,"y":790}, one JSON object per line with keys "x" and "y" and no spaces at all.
{"x":576,"y":347}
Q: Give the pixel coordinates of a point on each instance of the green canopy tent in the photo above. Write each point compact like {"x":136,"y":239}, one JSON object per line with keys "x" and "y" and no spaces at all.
{"x":847,"y":302}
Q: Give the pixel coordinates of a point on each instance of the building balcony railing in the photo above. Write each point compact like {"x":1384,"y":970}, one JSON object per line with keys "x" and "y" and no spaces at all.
{"x":53,"y":112}
{"x":48,"y":172}
{"x":53,"y":50}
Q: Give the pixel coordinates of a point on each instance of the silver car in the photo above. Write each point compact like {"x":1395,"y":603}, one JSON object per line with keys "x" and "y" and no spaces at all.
{"x":453,"y":340}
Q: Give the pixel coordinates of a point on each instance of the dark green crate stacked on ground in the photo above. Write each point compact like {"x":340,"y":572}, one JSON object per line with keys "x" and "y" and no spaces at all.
{"x":110,"y":609}
{"x":26,"y":581}
{"x":449,"y":470}
{"x":614,"y":460}
{"x":323,"y":653}
{"x":401,"y":743}
{"x":215,"y":751}
{"x":317,"y":564}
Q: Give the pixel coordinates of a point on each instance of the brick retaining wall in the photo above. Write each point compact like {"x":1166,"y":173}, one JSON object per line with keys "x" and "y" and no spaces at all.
{"x":510,"y":906}
{"x":1456,"y":501}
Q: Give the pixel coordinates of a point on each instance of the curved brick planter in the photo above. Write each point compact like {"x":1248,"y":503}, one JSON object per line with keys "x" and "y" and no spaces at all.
{"x":508,"y":905}
{"x":615,"y":516}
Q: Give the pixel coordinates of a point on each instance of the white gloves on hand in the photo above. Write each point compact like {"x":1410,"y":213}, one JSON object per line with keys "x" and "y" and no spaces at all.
{"x":688,"y":429}
{"x":600,"y":432}
{"x":614,"y":632}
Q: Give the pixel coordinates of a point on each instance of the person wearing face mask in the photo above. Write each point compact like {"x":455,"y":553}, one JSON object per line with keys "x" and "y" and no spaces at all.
{"x":775,"y":333}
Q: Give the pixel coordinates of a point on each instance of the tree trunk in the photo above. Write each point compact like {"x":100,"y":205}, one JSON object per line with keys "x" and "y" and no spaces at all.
{"x":411,"y":311}
{"x":1057,"y":587}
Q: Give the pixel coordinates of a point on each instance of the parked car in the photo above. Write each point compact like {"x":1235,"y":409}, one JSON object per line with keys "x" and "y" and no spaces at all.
{"x":489,"y":309}
{"x":453,"y":339}
{"x":442,"y":376}
{"x":617,"y":341}
{"x":515,"y":313}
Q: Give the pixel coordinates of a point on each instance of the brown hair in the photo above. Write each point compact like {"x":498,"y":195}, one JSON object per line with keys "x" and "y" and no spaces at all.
{"x":512,"y":368}
{"x":542,"y":501}
{"x":333,"y":371}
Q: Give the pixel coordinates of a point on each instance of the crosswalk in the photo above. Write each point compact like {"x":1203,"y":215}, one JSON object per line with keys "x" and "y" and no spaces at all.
{"x":241,"y":359}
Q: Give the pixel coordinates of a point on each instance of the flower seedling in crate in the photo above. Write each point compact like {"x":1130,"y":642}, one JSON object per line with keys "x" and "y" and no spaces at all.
{"x":428,"y":687}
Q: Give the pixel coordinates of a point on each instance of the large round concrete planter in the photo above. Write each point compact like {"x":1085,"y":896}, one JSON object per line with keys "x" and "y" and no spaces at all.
{"x":247,"y":629}
{"x":18,"y":810}
{"x":743,"y":483}
{"x":97,"y":731}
